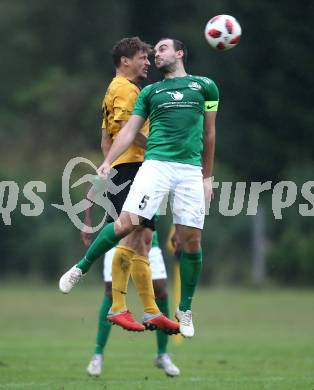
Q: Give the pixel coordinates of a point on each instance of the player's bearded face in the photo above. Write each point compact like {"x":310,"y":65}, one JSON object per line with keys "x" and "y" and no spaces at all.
{"x":165,"y":57}
{"x":166,"y":65}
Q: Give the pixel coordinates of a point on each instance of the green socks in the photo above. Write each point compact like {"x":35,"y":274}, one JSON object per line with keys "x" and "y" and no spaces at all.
{"x":105,"y":240}
{"x":162,"y":338}
{"x":104,"y":326}
{"x":190,"y":270}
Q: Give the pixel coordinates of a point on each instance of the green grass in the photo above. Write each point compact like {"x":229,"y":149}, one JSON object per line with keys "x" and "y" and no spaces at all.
{"x":245,"y":340}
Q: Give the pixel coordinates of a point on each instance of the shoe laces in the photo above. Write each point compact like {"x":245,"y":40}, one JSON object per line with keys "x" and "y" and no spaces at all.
{"x":186,"y":318}
{"x":75,"y":275}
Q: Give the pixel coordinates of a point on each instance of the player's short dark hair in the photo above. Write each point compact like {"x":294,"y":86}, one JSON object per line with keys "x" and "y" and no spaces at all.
{"x":178,"y":45}
{"x":128,"y":47}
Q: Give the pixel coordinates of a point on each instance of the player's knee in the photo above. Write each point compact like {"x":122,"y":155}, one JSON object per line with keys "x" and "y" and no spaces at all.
{"x":140,"y":247}
{"x":147,"y":236}
{"x":140,"y":241}
{"x":192,"y":244}
{"x":144,"y":243}
{"x":124,"y":225}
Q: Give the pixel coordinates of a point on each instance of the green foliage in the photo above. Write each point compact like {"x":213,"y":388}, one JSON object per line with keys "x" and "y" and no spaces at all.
{"x":291,"y":261}
{"x":290,"y":257}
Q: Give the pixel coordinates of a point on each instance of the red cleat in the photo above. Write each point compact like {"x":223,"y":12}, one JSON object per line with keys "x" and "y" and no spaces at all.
{"x":126,"y":321}
{"x":160,"y":321}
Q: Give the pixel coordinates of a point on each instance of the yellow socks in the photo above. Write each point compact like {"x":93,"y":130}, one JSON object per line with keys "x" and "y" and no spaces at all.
{"x":121,"y":270}
{"x":125,"y":263}
{"x":142,"y":279}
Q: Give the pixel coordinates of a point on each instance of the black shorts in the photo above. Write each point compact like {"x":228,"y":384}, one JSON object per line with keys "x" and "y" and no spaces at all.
{"x":126,"y":172}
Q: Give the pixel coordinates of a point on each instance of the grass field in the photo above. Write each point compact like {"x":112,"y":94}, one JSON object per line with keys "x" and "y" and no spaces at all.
{"x":245,"y":340}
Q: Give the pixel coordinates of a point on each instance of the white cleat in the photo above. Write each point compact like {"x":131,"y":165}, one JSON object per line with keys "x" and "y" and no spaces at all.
{"x":186,"y":323}
{"x":95,"y":365}
{"x":164,"y":361}
{"x":69,"y":279}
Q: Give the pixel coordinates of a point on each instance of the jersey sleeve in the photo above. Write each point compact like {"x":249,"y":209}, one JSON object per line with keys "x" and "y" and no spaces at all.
{"x":123,"y":103}
{"x":141,"y":107}
{"x":211,"y":96}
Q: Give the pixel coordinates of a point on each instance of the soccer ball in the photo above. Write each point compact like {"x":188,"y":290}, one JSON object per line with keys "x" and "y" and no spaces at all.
{"x":223,"y":32}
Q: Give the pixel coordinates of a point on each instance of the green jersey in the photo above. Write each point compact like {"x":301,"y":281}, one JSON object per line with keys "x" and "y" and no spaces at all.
{"x":175,"y":108}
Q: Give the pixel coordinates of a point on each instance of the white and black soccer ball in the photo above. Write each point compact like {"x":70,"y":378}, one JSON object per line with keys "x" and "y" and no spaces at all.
{"x":223,"y":32}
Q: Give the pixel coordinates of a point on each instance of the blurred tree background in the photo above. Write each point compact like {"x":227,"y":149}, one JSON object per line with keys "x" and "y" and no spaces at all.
{"x":55,"y":66}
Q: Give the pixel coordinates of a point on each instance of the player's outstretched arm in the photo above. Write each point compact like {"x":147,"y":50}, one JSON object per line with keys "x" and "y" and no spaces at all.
{"x":123,"y":140}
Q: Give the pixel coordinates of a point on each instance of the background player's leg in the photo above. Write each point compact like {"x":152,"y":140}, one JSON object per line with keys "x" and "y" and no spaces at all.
{"x":163,"y":359}
{"x":103,"y":331}
{"x":159,"y":275}
{"x":104,"y":326}
{"x":161,"y":294}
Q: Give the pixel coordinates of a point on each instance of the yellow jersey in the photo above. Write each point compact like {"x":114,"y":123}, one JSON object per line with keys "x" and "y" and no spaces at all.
{"x":117,"y":106}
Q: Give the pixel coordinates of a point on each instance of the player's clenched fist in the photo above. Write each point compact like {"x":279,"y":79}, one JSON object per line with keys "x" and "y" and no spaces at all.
{"x":104,"y":169}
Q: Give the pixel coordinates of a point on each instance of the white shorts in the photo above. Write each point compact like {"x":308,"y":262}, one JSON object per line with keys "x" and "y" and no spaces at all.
{"x":156,"y":261}
{"x":155,"y":180}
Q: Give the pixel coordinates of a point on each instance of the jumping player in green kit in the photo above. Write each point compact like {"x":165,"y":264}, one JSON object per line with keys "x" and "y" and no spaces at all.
{"x":178,"y":160}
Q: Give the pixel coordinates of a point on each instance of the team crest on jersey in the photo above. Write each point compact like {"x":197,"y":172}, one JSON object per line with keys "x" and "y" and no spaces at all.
{"x":195,"y":86}
{"x":176,"y":95}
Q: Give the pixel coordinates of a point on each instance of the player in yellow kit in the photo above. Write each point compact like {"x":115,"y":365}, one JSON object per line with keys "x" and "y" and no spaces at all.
{"x":130,"y":56}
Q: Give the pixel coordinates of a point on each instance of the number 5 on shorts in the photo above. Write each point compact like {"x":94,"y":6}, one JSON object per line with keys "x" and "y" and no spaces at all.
{"x":143,"y":202}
